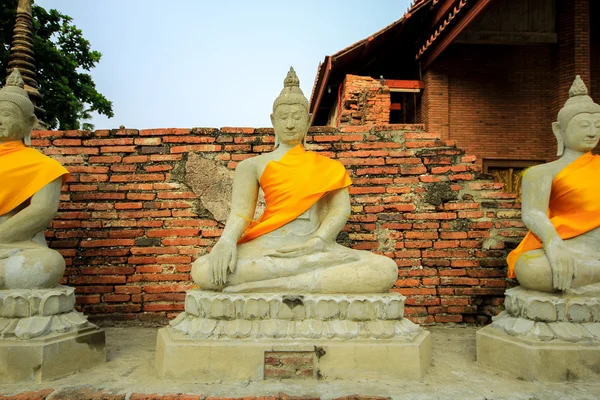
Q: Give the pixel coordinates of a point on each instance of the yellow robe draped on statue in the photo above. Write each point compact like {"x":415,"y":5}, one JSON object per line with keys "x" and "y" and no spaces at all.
{"x":292,"y":185}
{"x":574,"y":205}
{"x":24,"y":171}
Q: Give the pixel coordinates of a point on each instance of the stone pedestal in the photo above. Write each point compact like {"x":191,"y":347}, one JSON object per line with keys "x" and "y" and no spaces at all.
{"x":544,"y":337}
{"x":236,"y":337}
{"x":42,"y":337}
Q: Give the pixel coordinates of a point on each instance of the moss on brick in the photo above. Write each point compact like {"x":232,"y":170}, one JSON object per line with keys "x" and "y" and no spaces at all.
{"x":438,"y":193}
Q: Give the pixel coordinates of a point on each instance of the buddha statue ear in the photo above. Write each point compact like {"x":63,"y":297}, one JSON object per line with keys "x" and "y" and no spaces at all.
{"x":276,"y":138}
{"x":27,"y":138}
{"x":560,"y":144}
{"x":30,"y":123}
{"x":306,"y":134}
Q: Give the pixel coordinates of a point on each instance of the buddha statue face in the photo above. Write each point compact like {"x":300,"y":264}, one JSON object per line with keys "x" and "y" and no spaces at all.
{"x":291,"y":122}
{"x":583,"y":132}
{"x":578,"y":123}
{"x":12,"y":124}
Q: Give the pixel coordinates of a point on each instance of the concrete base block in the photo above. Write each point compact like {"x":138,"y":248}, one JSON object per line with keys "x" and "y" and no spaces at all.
{"x":50,"y":357}
{"x":180,"y":357}
{"x":536,"y":360}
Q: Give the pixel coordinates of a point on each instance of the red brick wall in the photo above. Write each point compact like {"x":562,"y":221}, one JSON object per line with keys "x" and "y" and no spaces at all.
{"x":363,"y":101}
{"x":129,"y":227}
{"x":573,"y":28}
{"x":595,"y":50}
{"x":434,"y":109}
{"x":495,"y":101}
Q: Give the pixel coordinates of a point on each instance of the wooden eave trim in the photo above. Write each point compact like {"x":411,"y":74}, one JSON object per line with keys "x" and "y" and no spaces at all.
{"x":446,"y":40}
{"x":442,"y":26}
{"x":442,"y":12}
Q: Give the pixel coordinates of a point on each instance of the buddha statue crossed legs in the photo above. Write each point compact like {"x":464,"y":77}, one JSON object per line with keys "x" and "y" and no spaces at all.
{"x":291,"y":247}
{"x":561,"y":205}
{"x":29,"y":197}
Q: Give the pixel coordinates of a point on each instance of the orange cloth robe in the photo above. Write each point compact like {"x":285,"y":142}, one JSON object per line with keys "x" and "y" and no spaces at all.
{"x":24,"y":171}
{"x":574,"y":205}
{"x":292,"y":185}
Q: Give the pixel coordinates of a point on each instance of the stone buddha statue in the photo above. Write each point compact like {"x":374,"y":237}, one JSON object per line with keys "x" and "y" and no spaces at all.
{"x":291,"y":247}
{"x":561,"y":205}
{"x":29,"y":196}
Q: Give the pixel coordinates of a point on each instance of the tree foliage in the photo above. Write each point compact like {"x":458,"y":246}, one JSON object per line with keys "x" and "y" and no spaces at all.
{"x":62,"y":57}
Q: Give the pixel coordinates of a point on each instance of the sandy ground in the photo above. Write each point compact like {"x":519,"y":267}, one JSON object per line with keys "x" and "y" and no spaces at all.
{"x":454,"y":374}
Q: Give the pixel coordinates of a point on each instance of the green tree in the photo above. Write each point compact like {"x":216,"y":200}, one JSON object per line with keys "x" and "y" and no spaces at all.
{"x":62,"y":56}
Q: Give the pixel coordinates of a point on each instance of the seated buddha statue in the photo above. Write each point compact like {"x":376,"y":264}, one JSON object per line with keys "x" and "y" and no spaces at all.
{"x":292,"y":246}
{"x":561,"y":205}
{"x":29,"y":196}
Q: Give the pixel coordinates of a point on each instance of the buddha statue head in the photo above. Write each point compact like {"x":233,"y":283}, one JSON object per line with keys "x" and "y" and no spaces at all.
{"x":578,"y":123}
{"x":291,"y":116}
{"x":16,"y":110}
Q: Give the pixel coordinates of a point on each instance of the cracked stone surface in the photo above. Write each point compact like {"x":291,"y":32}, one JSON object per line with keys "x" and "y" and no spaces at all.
{"x":572,"y":316}
{"x":212,"y":183}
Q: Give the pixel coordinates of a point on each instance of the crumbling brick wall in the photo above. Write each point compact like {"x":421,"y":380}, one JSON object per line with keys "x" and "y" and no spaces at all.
{"x":362,"y":101}
{"x":130,"y":224}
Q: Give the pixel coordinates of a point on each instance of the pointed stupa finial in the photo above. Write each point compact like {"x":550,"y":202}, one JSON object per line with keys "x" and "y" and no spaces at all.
{"x":21,"y":53}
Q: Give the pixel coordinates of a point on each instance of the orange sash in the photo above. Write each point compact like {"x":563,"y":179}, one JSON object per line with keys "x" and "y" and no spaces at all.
{"x":24,"y":171}
{"x":574,"y":205}
{"x":292,"y":185}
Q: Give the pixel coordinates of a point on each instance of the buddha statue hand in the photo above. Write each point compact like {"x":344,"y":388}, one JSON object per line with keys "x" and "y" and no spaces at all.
{"x":222,"y":260}
{"x":313,"y":245}
{"x":561,"y":262}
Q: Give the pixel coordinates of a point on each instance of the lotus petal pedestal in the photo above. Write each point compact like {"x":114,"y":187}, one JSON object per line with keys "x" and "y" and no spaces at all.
{"x":544,"y":337}
{"x":42,"y":337}
{"x":238,"y":337}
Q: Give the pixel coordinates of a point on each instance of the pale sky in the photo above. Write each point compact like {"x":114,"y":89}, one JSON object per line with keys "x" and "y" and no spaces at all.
{"x":197,"y":63}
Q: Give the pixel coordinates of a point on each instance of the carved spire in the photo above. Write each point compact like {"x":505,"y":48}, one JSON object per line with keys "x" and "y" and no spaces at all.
{"x":21,"y":53}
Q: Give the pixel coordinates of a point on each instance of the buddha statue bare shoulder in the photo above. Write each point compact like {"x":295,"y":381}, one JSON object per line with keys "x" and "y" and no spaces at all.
{"x":29,"y":197}
{"x":291,"y":247}
{"x":561,"y":205}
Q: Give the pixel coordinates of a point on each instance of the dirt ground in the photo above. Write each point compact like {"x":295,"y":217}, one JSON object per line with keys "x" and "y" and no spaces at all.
{"x":454,"y":374}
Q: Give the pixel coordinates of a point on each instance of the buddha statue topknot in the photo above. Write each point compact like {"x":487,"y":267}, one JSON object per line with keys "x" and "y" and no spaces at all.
{"x":291,"y":247}
{"x":29,"y":196}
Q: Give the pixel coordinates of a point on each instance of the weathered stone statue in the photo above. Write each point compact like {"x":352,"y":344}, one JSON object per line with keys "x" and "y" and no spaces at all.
{"x":29,"y":197}
{"x":291,"y":248}
{"x":561,"y":205}
{"x":41,"y":335}
{"x":282,"y":286}
{"x":550,"y":330}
